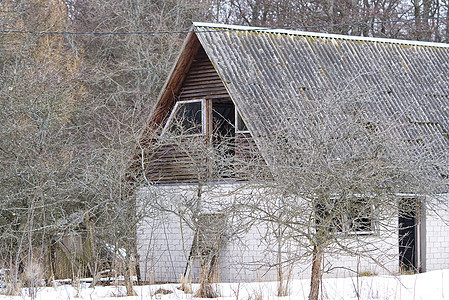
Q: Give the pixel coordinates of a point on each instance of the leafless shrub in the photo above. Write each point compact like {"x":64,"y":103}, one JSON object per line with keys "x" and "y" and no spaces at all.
{"x":186,"y":285}
{"x":33,"y":277}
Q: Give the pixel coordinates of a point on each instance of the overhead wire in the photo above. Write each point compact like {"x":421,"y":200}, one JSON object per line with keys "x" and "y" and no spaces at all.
{"x":224,"y":29}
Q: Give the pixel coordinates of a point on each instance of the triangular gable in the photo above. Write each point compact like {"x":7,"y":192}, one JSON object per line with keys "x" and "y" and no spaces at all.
{"x":192,"y":80}
{"x":272,"y":76}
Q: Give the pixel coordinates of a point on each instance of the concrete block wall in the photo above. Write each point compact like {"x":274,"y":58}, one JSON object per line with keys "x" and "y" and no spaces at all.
{"x":163,"y":251}
{"x":437,"y":237}
{"x":378,"y":255}
{"x":251,"y":262}
{"x":248,"y":258}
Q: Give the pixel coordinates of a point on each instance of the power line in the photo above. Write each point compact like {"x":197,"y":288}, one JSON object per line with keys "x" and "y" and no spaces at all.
{"x":187,"y":31}
{"x":94,"y":32}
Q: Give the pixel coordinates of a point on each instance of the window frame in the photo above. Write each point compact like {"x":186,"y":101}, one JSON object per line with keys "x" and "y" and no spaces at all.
{"x":343,"y":223}
{"x":237,"y":115}
{"x":175,"y":109}
{"x":347,"y":225}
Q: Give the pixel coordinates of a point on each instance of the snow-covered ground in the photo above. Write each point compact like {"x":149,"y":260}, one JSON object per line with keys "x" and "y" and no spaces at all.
{"x":432,"y":285}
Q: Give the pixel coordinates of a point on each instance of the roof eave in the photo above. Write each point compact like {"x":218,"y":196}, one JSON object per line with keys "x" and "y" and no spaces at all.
{"x":321,"y":35}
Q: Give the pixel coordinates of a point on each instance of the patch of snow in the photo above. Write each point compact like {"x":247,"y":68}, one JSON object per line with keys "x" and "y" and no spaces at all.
{"x":120,"y":251}
{"x":431,"y":285}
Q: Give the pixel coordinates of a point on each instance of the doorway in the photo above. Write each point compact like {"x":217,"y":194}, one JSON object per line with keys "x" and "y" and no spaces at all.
{"x":411,"y":236}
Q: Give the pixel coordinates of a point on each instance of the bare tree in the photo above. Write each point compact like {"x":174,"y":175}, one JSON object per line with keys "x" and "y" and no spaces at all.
{"x":337,"y":175}
{"x":73,"y":107}
{"x":203,"y":202}
{"x":367,"y":18}
{"x":122,"y":75}
{"x":40,"y":94}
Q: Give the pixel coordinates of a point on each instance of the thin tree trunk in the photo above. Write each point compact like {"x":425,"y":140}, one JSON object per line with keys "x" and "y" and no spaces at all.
{"x":447,"y":24}
{"x":128,"y":279}
{"x":315,"y":278}
{"x":283,"y":280}
{"x":206,"y":289}
{"x":92,"y":254}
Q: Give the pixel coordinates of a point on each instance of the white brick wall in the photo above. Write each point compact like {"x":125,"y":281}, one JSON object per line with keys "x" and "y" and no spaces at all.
{"x":164,"y":251}
{"x":437,"y":237}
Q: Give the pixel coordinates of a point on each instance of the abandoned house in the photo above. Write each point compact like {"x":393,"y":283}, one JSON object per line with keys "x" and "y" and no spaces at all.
{"x":242,"y":83}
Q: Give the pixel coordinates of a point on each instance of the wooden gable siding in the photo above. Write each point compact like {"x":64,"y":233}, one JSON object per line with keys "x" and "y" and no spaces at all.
{"x":183,"y":159}
{"x":178,"y":160}
{"x":202,"y":81}
{"x":248,"y":160}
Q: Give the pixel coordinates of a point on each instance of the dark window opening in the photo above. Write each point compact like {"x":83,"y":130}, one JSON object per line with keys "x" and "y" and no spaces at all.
{"x":223,"y":118}
{"x":186,"y":118}
{"x":223,"y":137}
{"x":345,"y":215}
{"x":360,"y":216}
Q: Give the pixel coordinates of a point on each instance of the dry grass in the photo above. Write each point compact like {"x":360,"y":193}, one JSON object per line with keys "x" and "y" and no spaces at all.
{"x":367,"y":273}
{"x":186,"y":285}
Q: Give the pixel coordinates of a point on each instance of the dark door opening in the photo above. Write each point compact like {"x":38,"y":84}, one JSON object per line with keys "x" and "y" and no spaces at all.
{"x":408,"y":236}
{"x":223,"y":137}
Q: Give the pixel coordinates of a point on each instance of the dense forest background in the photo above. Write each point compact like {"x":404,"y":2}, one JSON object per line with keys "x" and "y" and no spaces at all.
{"x":78,"y":79}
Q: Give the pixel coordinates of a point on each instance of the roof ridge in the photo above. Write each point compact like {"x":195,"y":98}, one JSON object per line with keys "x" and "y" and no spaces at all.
{"x":321,"y":35}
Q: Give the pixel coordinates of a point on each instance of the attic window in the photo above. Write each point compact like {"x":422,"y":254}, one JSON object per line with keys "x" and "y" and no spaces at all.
{"x":187,"y":118}
{"x":240,"y":126}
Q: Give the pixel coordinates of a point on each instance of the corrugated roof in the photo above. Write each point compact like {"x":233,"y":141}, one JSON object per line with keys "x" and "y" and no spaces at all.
{"x":272,"y":74}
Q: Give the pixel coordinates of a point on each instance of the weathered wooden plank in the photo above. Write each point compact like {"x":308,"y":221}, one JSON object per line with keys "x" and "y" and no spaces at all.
{"x":215,"y":96}
{"x":195,"y":81}
{"x":203,"y":95}
{"x":201,"y":84}
{"x":206,"y":67}
{"x":203,"y":75}
{"x":203,"y":90}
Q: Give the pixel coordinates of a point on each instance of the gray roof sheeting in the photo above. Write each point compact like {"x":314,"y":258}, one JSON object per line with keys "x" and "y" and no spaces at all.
{"x":272,"y":74}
